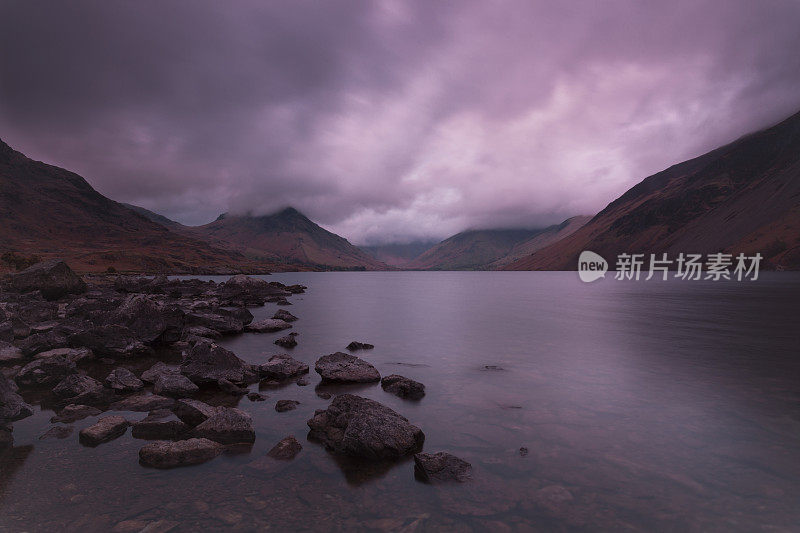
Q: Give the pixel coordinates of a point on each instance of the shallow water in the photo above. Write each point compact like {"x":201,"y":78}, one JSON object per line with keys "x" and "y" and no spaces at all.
{"x":652,"y":405}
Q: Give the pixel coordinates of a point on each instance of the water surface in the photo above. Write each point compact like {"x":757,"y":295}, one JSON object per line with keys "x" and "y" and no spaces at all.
{"x":643,"y":406}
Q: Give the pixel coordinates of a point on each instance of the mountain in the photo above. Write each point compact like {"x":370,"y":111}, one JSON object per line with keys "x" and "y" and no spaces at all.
{"x":290,"y":237}
{"x":398,"y":254}
{"x":158,"y":219}
{"x":471,"y":250}
{"x":50,"y":212}
{"x":743,"y":197}
{"x":544,"y":238}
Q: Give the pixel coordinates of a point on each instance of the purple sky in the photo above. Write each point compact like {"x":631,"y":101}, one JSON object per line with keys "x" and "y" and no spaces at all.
{"x":388,"y":120}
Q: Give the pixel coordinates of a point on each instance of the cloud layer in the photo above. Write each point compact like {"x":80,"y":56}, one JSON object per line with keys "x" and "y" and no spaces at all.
{"x":388,"y":120}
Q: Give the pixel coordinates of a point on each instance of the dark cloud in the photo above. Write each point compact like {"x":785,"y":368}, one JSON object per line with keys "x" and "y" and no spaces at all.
{"x":388,"y":120}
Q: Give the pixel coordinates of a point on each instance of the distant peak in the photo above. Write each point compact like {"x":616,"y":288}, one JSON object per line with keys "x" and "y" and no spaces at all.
{"x":223,"y":215}
{"x":289,"y":211}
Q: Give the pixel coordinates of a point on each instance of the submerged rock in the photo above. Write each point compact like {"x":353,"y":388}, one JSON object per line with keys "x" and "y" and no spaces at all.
{"x":123,"y":380}
{"x":166,"y":454}
{"x":227,"y":425}
{"x":106,"y":429}
{"x":57,"y":432}
{"x":208,"y":362}
{"x":286,"y":450}
{"x":286,"y":405}
{"x":403,"y":387}
{"x":282,"y":366}
{"x":283,"y":314}
{"x":159,"y":425}
{"x":74,"y":412}
{"x":174,"y":385}
{"x":12,"y":406}
{"x":360,"y":427}
{"x":193,"y":412}
{"x":355,"y":345}
{"x":346,"y":368}
{"x":256,"y":397}
{"x":441,"y":467}
{"x":268,"y":325}
{"x":53,"y":278}
{"x":230,"y":388}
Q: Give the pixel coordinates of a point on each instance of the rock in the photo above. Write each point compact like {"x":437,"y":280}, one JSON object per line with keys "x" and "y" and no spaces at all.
{"x":74,"y":412}
{"x":165,"y":454}
{"x":12,"y":407}
{"x":80,"y":389}
{"x":41,"y":342}
{"x":230,"y":388}
{"x":10,"y":353}
{"x":355,"y":345}
{"x":286,"y":449}
{"x":441,"y":467}
{"x":193,"y":412}
{"x":123,"y":380}
{"x":44,"y":372}
{"x":282,"y":366}
{"x":346,"y":368}
{"x":158,"y":369}
{"x":523,"y":451}
{"x":286,"y":405}
{"x":57,"y":432}
{"x":208,"y":362}
{"x":256,"y":397}
{"x":220,"y":320}
{"x":142,"y":403}
{"x":295,"y":289}
{"x":288,"y":341}
{"x":553,"y":498}
{"x":360,"y":427}
{"x":53,"y":278}
{"x":6,"y":331}
{"x":227,"y":425}
{"x":106,"y":429}
{"x":159,"y":425}
{"x":200,"y":331}
{"x":303,"y":382}
{"x":150,"y":319}
{"x":283,"y":314}
{"x":246,"y":290}
{"x":282,"y":301}
{"x":403,"y":387}
{"x":110,"y":341}
{"x":76,"y":355}
{"x":324,"y":395}
{"x":174,"y":385}
{"x":6,"y":438}
{"x":268,"y":325}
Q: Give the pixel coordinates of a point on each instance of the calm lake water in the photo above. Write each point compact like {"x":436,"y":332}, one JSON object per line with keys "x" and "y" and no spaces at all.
{"x":649,"y":406}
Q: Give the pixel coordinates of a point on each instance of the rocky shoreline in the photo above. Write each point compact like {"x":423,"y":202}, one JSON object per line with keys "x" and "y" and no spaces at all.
{"x":54,"y":325}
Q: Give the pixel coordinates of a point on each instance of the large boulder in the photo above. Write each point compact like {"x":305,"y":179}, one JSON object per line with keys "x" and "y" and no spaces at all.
{"x":193,"y":412}
{"x":282,"y":366}
{"x":223,"y":321}
{"x":345,"y":368}
{"x":166,"y":454}
{"x":150,"y":319}
{"x":403,"y":387}
{"x":360,"y":427}
{"x":106,"y":429}
{"x":441,"y":467}
{"x":207,"y":362}
{"x":159,"y":425}
{"x":53,"y":278}
{"x":268,"y":325}
{"x":123,"y":380}
{"x":44,"y":372}
{"x":227,"y":425}
{"x":79,"y":389}
{"x":246,"y":290}
{"x":12,"y":406}
{"x":174,"y":385}
{"x":111,"y":340}
{"x":151,"y":375}
{"x":42,"y":342}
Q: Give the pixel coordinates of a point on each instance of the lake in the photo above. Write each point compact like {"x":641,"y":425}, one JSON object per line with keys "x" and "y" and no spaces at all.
{"x":641,"y":405}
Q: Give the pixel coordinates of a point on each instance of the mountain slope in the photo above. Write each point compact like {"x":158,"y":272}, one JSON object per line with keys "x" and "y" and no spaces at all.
{"x":398,"y":254}
{"x":48,"y":211}
{"x":288,"y":236}
{"x":155,"y":217}
{"x":472,"y":249}
{"x":742,"y":197}
{"x":544,"y":238}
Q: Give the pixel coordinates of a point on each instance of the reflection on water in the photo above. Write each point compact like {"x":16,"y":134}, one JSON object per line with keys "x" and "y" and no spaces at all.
{"x":643,"y":405}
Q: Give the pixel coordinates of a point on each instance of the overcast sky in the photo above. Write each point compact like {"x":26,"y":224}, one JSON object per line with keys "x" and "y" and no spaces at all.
{"x":388,"y":120}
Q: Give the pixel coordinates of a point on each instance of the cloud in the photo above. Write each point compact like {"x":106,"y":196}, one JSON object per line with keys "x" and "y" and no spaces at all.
{"x":388,"y":120}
